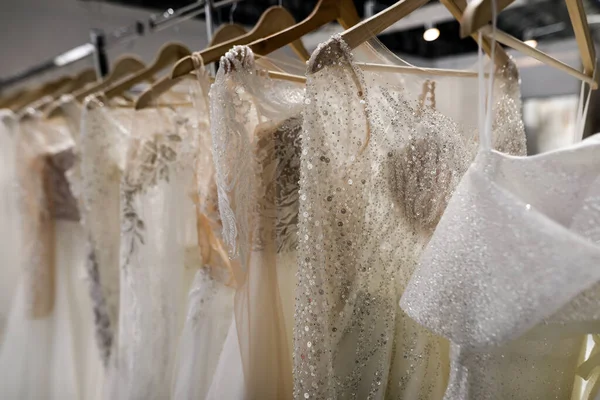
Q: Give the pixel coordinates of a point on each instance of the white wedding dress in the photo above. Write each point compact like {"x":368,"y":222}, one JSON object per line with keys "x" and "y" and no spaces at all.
{"x":210,"y":302}
{"x":511,"y":276}
{"x":256,"y":126}
{"x":10,"y":249}
{"x":381,"y":156}
{"x":47,"y":351}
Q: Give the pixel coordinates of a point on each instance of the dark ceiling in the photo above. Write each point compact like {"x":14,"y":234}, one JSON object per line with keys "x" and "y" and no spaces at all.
{"x":543,"y":20}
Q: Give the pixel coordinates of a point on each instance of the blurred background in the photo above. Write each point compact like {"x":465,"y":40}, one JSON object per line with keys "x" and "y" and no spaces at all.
{"x":35,"y":31}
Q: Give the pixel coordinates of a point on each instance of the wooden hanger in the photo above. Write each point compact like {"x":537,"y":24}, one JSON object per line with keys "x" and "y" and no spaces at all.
{"x":363,"y":31}
{"x":44,"y":90}
{"x":227,"y":32}
{"x":478,"y":14}
{"x":7,"y":101}
{"x":224,"y":33}
{"x":168,"y":55}
{"x":325,"y":11}
{"x":273,"y":20}
{"x":84,"y":78}
{"x":164,"y":84}
{"x":124,"y":66}
{"x":457,"y":9}
{"x":521,"y":47}
{"x":81,"y":80}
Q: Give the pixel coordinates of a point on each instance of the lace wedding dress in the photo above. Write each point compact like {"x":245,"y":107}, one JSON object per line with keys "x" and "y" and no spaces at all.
{"x":256,"y":127}
{"x":156,"y":210}
{"x":511,"y":276}
{"x":381,"y":156}
{"x":46,"y":351}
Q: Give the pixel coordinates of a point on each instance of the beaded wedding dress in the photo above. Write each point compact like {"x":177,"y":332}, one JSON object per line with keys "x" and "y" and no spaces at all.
{"x":255,"y":125}
{"x":46,"y":352}
{"x":381,"y":156}
{"x":511,"y":276}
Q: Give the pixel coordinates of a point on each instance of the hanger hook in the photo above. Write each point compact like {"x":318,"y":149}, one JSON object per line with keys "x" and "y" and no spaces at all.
{"x":231,"y":11}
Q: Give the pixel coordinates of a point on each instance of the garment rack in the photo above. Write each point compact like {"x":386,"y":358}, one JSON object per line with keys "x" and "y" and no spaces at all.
{"x":100,"y":41}
{"x":171,"y":17}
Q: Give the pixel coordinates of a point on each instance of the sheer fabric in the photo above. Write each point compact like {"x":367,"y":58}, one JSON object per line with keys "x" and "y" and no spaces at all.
{"x":381,"y":156}
{"x":158,"y":230}
{"x":520,"y":243}
{"x":254,"y":125}
{"x":210,"y":301}
{"x":209,"y":318}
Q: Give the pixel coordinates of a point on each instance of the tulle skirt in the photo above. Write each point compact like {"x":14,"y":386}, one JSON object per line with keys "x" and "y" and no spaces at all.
{"x":209,"y":318}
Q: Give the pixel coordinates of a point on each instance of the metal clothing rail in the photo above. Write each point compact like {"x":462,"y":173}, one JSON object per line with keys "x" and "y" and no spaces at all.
{"x":171,"y":17}
{"x":99,"y":42}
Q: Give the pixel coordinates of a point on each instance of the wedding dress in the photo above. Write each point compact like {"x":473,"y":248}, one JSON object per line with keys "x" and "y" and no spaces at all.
{"x":511,"y":276}
{"x":96,"y":181}
{"x":210,"y":305}
{"x":9,"y":209}
{"x":256,"y":126}
{"x":381,"y":155}
{"x":46,"y":351}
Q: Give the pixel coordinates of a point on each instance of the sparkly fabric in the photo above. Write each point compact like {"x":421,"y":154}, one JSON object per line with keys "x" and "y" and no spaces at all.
{"x":381,"y":156}
{"x":255,"y":156}
{"x":509,"y":275}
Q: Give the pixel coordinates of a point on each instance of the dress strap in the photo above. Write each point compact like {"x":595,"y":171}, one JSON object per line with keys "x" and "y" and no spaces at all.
{"x":582,"y":110}
{"x":485,"y":106}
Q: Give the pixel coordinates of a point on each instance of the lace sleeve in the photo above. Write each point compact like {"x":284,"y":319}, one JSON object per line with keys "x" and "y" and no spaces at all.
{"x":233,"y":116}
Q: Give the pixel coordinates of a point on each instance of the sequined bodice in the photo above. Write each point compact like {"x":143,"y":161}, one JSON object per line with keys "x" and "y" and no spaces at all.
{"x":379,"y":164}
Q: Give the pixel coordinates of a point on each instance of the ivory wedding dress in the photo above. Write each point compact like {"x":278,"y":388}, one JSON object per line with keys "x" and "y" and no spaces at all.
{"x":255,"y":127}
{"x":157,"y":212}
{"x":381,"y":155}
{"x":46,"y":352}
{"x":9,"y":210}
{"x":210,"y":301}
{"x":511,"y":275}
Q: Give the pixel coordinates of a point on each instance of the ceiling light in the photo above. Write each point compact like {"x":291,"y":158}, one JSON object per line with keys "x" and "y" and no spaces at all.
{"x":531,"y":43}
{"x":431,"y":34}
